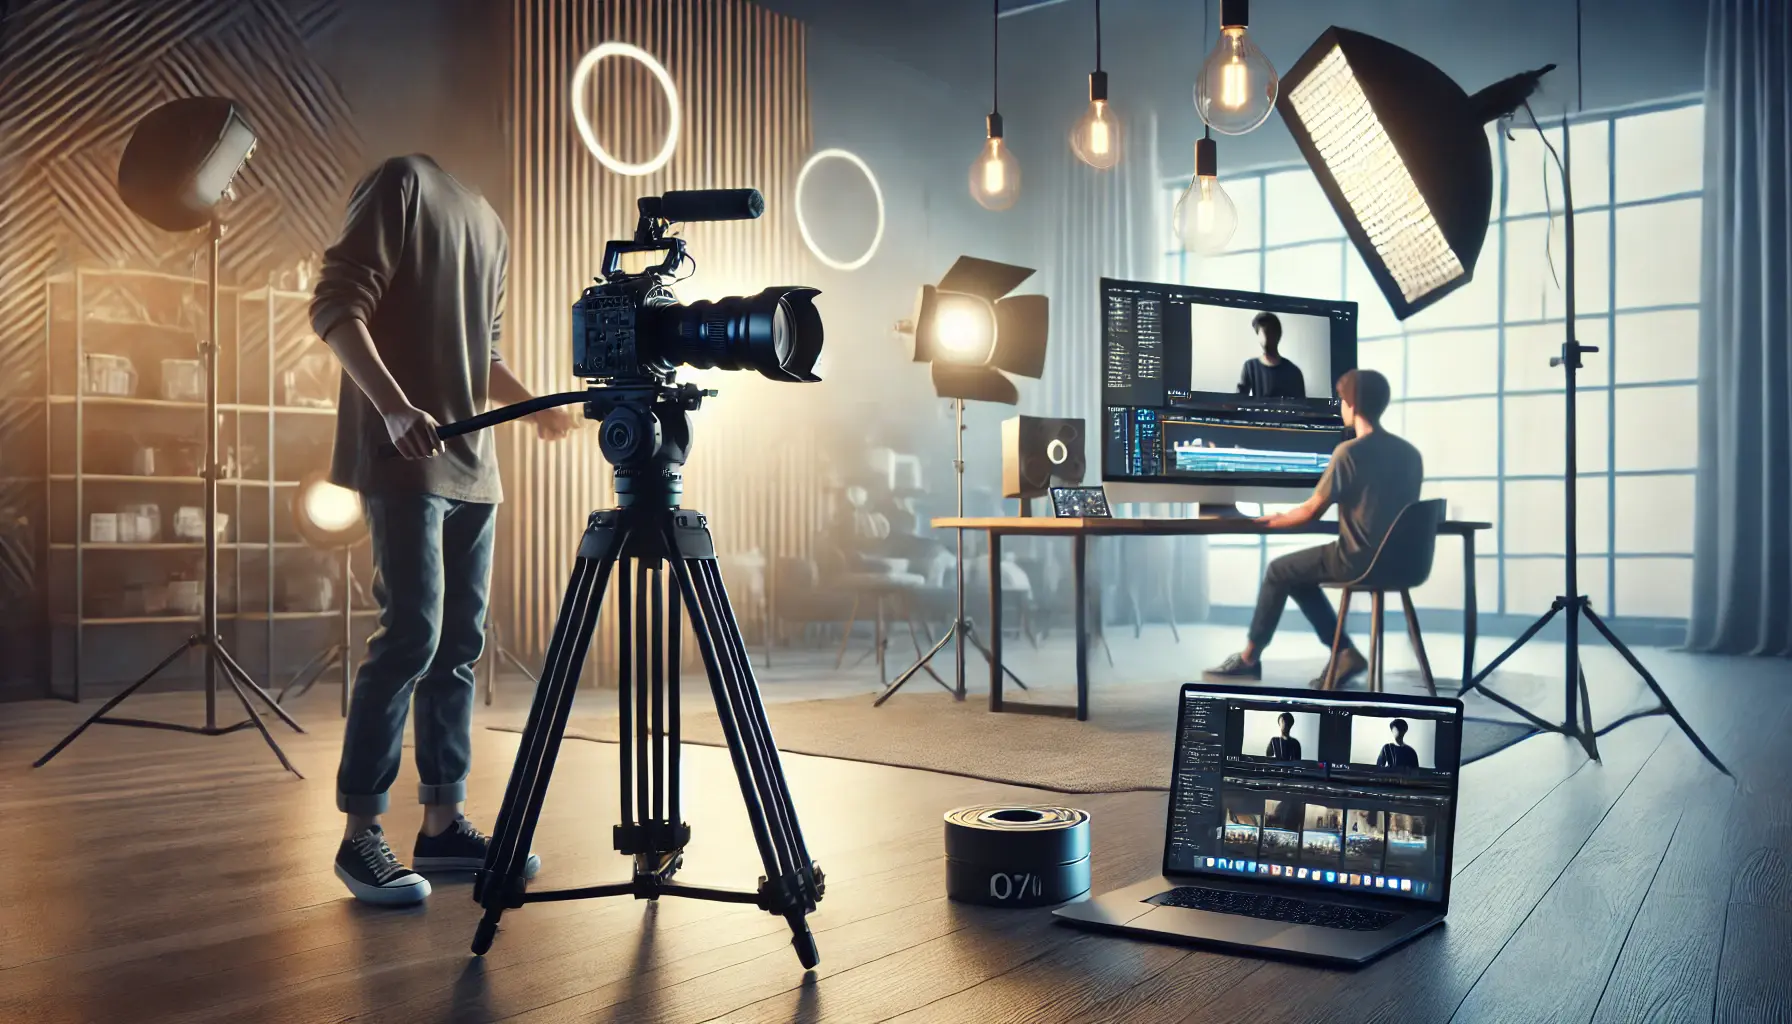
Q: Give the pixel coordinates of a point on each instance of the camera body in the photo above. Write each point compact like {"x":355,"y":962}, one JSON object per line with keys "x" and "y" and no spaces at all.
{"x":631,"y":328}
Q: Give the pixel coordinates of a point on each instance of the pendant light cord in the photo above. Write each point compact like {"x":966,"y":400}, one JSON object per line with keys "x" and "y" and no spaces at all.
{"x":1580,"y":97}
{"x":995,"y":56}
{"x":1098,"y":35}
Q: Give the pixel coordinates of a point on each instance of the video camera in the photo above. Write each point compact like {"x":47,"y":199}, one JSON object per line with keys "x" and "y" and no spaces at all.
{"x":630,"y":328}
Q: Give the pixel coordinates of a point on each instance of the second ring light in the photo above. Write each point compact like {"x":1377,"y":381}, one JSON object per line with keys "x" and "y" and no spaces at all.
{"x":802,"y":223}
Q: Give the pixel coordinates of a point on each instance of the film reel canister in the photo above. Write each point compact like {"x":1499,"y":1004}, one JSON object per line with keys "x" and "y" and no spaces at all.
{"x":1017,"y":856}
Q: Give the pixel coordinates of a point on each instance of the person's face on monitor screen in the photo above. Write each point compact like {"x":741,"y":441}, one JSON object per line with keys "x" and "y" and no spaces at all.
{"x":1266,"y":336}
{"x":1397,"y":734}
{"x":1287,"y":724}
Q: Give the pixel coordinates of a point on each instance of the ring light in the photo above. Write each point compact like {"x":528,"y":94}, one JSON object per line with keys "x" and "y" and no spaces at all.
{"x":803,"y":225}
{"x":582,"y":74}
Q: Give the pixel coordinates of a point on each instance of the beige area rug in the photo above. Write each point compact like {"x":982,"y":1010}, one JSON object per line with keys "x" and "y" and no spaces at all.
{"x":1125,"y":746}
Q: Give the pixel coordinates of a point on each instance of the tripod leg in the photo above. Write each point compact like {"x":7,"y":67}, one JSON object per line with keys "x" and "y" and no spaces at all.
{"x":302,"y":680}
{"x":1666,"y":704}
{"x":579,"y":611}
{"x":1523,"y":638}
{"x":1585,"y":734}
{"x":792,"y":884}
{"x":192,"y":641}
{"x":229,"y":671}
{"x":891,"y":689}
{"x":224,"y":658}
{"x":970,"y":634}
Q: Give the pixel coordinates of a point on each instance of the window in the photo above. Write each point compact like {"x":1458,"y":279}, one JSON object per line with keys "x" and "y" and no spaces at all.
{"x":1472,"y":383}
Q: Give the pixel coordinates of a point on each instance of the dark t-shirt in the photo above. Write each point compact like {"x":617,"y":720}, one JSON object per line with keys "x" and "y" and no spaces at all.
{"x":1283,"y":748}
{"x":1260,"y":380}
{"x":1395,"y":755}
{"x":1370,"y":479}
{"x":421,"y":262}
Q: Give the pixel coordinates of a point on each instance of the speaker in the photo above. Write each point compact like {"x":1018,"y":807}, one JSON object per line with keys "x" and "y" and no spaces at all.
{"x":1039,"y":453}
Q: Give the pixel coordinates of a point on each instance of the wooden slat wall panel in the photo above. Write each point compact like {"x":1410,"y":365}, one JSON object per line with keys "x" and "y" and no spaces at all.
{"x":744,"y":102}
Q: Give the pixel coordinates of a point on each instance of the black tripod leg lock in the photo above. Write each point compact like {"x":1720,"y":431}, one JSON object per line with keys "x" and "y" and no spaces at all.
{"x":514,"y":888}
{"x":651,"y":837}
{"x":800,"y":891}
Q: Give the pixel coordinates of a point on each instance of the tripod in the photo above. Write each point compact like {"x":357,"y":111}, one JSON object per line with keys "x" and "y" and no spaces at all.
{"x":216,"y":658}
{"x":646,"y":435}
{"x":962,"y":631}
{"x":496,"y":652}
{"x":1577,"y":713}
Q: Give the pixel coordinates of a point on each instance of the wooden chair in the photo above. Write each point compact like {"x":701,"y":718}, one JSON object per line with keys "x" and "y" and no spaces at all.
{"x":1402,"y":563}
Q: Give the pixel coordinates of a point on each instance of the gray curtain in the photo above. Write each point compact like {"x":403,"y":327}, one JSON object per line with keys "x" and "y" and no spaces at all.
{"x":1742,"y":549}
{"x":1108,"y":224}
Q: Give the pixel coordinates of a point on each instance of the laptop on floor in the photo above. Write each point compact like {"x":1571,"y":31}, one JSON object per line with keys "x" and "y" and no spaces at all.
{"x":1307,"y":824}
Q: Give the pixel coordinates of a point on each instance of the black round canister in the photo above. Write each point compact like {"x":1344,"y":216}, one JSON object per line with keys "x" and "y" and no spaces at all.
{"x":1017,"y":856}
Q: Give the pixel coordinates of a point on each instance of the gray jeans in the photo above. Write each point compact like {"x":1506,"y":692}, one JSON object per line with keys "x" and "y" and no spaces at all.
{"x":432,"y":569}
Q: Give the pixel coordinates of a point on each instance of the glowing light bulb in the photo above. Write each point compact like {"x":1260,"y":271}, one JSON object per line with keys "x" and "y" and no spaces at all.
{"x":1096,"y":138}
{"x":995,"y":174}
{"x":1237,"y":86}
{"x":1205,"y":218}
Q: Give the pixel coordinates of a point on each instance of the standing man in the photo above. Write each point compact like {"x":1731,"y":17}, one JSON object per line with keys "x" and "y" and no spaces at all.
{"x":1269,"y":375}
{"x":411,"y":300}
{"x":1371,"y":478}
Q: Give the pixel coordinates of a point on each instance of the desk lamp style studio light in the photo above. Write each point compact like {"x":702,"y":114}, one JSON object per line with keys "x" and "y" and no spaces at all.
{"x":176,"y":171}
{"x":1401,"y":152}
{"x":973,"y":334}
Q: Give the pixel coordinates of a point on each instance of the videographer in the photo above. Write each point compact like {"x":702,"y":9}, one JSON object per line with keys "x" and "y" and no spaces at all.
{"x":411,"y":300}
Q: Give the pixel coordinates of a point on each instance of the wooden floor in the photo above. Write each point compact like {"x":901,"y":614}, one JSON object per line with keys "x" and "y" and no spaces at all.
{"x":157,"y":877}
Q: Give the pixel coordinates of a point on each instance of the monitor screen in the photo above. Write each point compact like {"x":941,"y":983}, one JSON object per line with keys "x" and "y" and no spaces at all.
{"x":1342,"y":792}
{"x":1207,"y":386}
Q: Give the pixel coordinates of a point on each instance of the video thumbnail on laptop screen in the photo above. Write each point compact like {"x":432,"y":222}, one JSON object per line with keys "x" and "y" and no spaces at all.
{"x":1350,"y":794}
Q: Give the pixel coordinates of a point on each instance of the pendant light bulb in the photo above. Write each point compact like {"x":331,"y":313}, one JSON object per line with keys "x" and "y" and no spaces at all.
{"x":1096,"y":138}
{"x":995,"y":174}
{"x":1237,"y":86}
{"x":1205,"y":218}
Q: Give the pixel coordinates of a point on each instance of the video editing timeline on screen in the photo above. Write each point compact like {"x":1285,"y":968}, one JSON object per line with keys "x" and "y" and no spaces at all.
{"x":1329,"y":793}
{"x":1183,"y":379}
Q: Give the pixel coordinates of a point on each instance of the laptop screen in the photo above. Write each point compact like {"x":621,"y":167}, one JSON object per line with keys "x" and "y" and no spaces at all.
{"x":1353,"y":791}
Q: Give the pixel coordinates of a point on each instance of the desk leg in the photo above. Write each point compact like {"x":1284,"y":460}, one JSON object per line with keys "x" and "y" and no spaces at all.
{"x":995,"y":621}
{"x":1471,"y":614}
{"x":1079,"y":547}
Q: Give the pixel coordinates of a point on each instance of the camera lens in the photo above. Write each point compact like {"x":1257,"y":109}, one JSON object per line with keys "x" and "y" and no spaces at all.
{"x":776,"y":332}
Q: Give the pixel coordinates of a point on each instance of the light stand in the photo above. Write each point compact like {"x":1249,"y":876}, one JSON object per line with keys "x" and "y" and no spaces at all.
{"x":495,"y":651}
{"x":1577,"y":713}
{"x":217,"y":659}
{"x":963,"y":630}
{"x":340,"y":654}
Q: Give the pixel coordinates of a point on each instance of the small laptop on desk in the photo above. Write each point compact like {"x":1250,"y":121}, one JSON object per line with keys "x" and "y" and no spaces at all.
{"x":1301,"y":824}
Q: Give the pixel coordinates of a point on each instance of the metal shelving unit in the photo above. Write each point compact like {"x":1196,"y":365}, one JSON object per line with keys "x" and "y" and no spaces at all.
{"x":70,"y":413}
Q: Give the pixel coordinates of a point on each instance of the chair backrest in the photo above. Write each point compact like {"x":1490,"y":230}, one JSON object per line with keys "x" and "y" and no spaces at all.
{"x":1403,"y":561}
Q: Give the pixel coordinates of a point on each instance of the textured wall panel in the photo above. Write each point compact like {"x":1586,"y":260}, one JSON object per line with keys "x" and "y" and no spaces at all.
{"x":745,"y":122}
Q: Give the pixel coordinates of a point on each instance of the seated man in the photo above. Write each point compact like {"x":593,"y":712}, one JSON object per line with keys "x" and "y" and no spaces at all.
{"x":1371,"y":477}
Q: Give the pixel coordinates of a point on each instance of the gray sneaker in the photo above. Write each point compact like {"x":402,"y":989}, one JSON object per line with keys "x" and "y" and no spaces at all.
{"x":1234,"y":667}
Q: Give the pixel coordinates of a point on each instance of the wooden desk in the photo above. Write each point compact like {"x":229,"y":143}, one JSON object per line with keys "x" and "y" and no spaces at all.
{"x":1080,"y":530}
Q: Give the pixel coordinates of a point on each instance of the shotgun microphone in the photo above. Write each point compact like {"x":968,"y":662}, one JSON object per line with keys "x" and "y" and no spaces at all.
{"x":705,"y":204}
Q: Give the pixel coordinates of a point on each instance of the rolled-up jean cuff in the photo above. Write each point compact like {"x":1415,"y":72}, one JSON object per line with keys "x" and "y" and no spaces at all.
{"x":365,"y":804}
{"x":448,"y":793}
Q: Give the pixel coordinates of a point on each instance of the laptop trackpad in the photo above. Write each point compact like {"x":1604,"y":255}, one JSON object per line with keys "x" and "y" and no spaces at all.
{"x":1206,"y":924}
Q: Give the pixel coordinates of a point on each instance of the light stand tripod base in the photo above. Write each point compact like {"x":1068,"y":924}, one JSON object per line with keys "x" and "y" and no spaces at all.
{"x":638,"y":546}
{"x":964,"y":630}
{"x":219,"y":663}
{"x":1579,"y":726}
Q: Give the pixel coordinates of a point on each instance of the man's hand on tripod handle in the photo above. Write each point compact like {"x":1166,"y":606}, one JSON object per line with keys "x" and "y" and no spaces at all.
{"x":412,"y":430}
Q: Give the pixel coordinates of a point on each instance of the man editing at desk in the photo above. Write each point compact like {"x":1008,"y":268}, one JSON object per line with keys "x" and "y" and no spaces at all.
{"x":1371,"y":478}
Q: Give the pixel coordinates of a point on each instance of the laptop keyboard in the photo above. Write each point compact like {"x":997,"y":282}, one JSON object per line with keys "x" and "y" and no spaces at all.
{"x":1275,"y":908}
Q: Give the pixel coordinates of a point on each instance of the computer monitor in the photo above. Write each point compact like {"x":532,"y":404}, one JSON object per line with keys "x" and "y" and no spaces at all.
{"x":1344,"y":791}
{"x":1191,"y":412}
